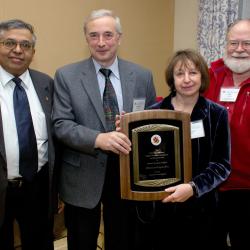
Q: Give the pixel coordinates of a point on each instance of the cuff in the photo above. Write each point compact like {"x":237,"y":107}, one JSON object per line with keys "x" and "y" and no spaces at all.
{"x":194,"y":188}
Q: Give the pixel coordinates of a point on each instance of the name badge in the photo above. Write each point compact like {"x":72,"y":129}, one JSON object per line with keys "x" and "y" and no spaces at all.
{"x":138,"y":104}
{"x":229,"y":94}
{"x":197,"y":129}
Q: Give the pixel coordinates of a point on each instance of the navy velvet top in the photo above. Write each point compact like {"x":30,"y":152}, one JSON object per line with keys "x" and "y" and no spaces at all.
{"x":211,"y":153}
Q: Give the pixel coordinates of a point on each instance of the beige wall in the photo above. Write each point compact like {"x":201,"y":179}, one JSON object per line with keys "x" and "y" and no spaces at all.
{"x":147,"y":28}
{"x":185,"y":24}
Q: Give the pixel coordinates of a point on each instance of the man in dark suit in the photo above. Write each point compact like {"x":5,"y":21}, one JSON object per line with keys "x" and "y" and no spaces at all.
{"x":90,"y":164}
{"x":26,"y":164}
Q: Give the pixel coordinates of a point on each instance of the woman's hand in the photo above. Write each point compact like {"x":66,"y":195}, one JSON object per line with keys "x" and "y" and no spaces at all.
{"x":179,"y":193}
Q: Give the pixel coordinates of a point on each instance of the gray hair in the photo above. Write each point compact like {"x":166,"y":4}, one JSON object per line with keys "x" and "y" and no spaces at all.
{"x":95,"y":14}
{"x":17,"y":24}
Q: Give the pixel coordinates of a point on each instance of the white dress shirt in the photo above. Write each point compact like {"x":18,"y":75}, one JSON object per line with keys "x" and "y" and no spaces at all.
{"x":114,"y":78}
{"x":9,"y":124}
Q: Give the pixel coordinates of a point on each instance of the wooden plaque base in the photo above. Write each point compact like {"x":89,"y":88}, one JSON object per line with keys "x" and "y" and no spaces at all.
{"x":161,"y":140}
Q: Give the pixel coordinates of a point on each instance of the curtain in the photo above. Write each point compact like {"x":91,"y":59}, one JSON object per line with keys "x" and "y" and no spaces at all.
{"x":213,"y":21}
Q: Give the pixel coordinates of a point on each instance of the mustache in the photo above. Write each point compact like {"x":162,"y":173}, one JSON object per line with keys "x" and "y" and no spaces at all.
{"x":240,"y":55}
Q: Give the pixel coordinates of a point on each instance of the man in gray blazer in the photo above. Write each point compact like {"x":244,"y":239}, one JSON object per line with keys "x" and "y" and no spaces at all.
{"x":90,"y":159}
{"x":24,"y":196}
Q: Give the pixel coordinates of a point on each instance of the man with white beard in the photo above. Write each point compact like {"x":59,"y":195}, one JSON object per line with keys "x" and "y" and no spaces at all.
{"x":230,"y":87}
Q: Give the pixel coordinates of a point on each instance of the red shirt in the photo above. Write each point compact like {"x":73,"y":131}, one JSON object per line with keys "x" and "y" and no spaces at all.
{"x":239,"y":116}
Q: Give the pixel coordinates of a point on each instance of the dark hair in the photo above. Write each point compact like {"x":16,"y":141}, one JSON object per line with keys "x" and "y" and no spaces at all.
{"x":17,"y":24}
{"x":184,"y":56}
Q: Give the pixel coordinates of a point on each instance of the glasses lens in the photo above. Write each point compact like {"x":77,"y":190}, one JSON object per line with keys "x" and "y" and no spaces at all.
{"x":25,"y":45}
{"x":246,"y":44}
{"x":11,"y":44}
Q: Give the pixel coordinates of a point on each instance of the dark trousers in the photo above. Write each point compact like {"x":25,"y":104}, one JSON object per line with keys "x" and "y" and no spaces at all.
{"x":28,"y":204}
{"x":83,"y":224}
{"x":234,"y":216}
{"x":175,"y":226}
{"x":82,"y":227}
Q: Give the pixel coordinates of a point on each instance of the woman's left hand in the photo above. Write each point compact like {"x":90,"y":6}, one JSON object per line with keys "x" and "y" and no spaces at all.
{"x":179,"y":193}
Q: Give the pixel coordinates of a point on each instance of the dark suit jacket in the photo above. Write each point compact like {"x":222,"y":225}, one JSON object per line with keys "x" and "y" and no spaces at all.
{"x":78,"y":118}
{"x":43,"y":85}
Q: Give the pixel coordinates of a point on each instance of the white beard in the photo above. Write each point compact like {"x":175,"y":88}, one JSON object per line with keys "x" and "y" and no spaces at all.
{"x":237,"y":65}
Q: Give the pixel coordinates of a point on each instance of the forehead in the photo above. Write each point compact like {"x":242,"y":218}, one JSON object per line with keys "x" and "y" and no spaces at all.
{"x":101,"y":24}
{"x":184,"y":65}
{"x":240,"y":31}
{"x":17,"y":34}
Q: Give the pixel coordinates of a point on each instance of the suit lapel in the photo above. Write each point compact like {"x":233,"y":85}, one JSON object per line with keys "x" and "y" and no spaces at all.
{"x":127,"y":78}
{"x":43,"y":92}
{"x":90,"y":84}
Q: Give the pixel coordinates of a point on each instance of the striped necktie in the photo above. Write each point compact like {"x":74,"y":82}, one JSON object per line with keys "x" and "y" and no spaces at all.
{"x":110,"y":104}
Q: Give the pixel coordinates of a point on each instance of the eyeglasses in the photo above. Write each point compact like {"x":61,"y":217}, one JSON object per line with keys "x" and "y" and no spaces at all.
{"x":234,"y":44}
{"x":11,"y":44}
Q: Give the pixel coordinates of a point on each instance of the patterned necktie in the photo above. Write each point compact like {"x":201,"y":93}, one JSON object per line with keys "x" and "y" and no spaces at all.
{"x":110,"y":104}
{"x":28,"y":156}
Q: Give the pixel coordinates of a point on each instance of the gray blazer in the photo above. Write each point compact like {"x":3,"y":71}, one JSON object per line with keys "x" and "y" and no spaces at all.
{"x":43,"y":85}
{"x":78,"y":118}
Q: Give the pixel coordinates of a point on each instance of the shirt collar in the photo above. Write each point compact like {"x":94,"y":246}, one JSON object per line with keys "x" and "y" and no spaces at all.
{"x":114,"y":67}
{"x":6,"y":77}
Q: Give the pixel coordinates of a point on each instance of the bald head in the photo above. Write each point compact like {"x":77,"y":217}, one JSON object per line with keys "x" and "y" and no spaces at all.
{"x":239,"y":27}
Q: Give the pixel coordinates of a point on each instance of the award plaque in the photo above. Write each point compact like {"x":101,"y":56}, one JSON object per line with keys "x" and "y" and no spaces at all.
{"x":160,"y":155}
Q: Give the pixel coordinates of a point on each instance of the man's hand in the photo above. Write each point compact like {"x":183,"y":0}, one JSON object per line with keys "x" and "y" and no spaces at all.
{"x":113,"y":141}
{"x":118,"y":121}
